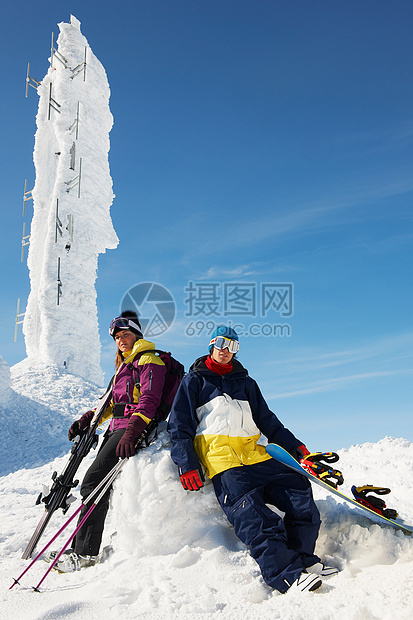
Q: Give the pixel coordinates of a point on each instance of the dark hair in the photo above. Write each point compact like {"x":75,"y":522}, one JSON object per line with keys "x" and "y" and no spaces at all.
{"x":118,"y":359}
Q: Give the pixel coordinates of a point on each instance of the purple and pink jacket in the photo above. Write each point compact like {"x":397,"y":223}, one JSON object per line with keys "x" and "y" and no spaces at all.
{"x":137,"y":384}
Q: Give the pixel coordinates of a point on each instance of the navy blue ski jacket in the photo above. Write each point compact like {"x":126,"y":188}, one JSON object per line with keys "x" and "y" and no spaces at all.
{"x":218,"y":420}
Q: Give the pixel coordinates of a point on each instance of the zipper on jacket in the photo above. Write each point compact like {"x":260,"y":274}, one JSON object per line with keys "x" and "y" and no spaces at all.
{"x":127,"y":392}
{"x":150,"y":379}
{"x":241,"y":413}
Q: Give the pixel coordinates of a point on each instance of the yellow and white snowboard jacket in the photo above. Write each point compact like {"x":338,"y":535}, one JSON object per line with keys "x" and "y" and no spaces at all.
{"x":218,"y":419}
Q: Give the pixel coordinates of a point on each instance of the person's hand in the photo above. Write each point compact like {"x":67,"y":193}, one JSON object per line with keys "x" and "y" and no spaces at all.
{"x":126,"y":446}
{"x":80,"y":425}
{"x":191,"y":480}
{"x":300,"y":453}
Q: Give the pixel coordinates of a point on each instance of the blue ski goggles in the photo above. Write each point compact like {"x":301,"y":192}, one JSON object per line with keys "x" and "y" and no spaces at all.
{"x":220,"y":342}
{"x":122,"y":323}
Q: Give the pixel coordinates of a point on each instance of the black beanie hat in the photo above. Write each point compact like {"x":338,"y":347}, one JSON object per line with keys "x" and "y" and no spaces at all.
{"x":129,"y":314}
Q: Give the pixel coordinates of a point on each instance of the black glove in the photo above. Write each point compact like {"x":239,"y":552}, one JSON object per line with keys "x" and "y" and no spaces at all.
{"x":80,"y":425}
{"x":126,"y":446}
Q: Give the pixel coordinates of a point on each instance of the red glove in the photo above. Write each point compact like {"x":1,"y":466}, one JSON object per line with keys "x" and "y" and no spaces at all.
{"x":126,"y":446}
{"x":80,"y":425}
{"x":301,"y":452}
{"x":191,"y":481}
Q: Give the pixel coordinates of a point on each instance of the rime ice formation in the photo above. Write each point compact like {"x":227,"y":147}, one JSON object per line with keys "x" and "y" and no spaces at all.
{"x":72,"y":196}
{"x":4,"y":380}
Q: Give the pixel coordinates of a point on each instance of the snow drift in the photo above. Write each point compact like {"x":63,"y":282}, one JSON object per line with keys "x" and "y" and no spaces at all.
{"x":174,"y":553}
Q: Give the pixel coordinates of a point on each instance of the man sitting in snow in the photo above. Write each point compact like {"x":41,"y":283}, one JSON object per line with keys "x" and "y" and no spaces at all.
{"x":217,"y":418}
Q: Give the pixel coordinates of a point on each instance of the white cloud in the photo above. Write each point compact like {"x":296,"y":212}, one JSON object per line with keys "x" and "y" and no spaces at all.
{"x":312,"y":370}
{"x":339,"y":383}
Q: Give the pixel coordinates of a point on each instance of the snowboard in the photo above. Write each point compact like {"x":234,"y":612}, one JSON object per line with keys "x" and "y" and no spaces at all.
{"x":281,"y":455}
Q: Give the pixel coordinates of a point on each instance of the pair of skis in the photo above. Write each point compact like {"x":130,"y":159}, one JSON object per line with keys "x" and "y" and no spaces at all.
{"x":59,"y":494}
{"x":62,"y":485}
{"x":99,"y":492}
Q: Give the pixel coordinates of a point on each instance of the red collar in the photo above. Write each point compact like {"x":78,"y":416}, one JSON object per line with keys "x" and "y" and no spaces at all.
{"x":221,"y":369}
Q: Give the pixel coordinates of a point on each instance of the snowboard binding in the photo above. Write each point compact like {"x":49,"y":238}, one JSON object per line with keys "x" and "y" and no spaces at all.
{"x":363,"y":496}
{"x":318,"y":464}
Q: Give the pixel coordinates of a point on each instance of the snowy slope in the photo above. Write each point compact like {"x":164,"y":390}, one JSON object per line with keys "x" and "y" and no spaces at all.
{"x":176,"y":556}
{"x":36,"y":410}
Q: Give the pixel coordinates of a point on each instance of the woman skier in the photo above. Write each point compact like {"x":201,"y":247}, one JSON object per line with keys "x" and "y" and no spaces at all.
{"x":136,"y":395}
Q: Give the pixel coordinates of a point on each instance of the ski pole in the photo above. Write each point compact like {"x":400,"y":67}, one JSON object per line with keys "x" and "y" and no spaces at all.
{"x":65,"y":525}
{"x":114,"y":472}
{"x":59,"y":491}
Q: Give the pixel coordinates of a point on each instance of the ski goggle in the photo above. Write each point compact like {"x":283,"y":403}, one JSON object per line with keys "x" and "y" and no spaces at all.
{"x":121,"y":323}
{"x":220,"y":342}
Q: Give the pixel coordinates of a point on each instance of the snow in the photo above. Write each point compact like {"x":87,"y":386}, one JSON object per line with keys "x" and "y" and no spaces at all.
{"x":175,"y":554}
{"x":62,"y":328}
{"x":4,"y":379}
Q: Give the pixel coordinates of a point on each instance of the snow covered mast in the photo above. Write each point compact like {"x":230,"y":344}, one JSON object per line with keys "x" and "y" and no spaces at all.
{"x":72,"y":196}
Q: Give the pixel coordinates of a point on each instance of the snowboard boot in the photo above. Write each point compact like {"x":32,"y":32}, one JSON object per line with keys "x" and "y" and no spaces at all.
{"x":322,"y":570}
{"x":306,"y":583}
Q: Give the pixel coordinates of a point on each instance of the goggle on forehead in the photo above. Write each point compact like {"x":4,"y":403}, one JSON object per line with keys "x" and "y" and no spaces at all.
{"x":122,"y":323}
{"x":220,"y":342}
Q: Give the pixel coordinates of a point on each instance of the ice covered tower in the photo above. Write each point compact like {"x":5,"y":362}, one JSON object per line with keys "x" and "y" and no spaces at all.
{"x":72,"y":196}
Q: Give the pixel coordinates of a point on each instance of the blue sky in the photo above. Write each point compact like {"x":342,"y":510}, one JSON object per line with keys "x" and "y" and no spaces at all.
{"x":254,"y":143}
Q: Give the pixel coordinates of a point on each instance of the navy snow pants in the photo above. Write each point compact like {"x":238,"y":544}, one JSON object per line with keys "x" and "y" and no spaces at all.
{"x":88,"y":539}
{"x":283,"y":548}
